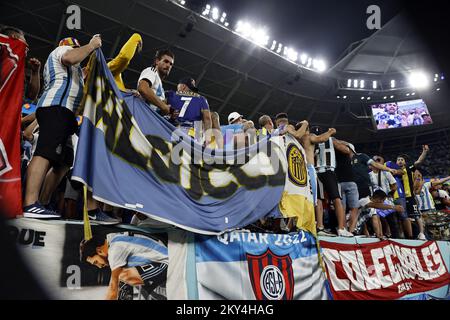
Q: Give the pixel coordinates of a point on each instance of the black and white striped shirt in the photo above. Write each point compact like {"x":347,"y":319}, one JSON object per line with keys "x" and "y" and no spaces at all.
{"x":325,"y":157}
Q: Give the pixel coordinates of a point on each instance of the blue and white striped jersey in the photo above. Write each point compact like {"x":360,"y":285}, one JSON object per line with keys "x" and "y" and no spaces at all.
{"x":132,"y":251}
{"x":63,"y":85}
{"x":425,"y":200}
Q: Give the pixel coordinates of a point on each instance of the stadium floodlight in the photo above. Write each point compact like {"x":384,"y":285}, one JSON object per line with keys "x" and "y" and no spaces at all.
{"x":274,"y":45}
{"x":223,"y":17}
{"x":369,"y":98}
{"x":392,"y":97}
{"x":280,"y":47}
{"x":207,"y":9}
{"x":355,"y":83}
{"x":408,"y":94}
{"x":374,"y":84}
{"x":244,"y":28}
{"x":438,"y":89}
{"x":362,"y":84}
{"x":226,"y":24}
{"x":418,"y":79}
{"x":182,"y":2}
{"x":338,"y":96}
{"x":362,"y":98}
{"x":392,"y":83}
{"x":413,"y":94}
{"x":345,"y":97}
{"x":442,"y":77}
{"x":385,"y":97}
{"x":319,"y":65}
{"x":349,"y":83}
{"x":308,"y":65}
{"x":291,"y":54}
{"x":215,"y":13}
{"x":303,"y":58}
{"x":260,"y":37}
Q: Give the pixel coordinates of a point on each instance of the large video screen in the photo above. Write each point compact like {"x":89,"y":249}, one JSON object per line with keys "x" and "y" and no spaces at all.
{"x":401,"y":114}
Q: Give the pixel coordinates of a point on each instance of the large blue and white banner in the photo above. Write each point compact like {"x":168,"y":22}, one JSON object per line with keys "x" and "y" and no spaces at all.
{"x":248,"y":266}
{"x":131,"y":157}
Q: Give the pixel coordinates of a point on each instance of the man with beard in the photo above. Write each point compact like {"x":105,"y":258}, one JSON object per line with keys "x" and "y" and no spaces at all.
{"x":389,"y":118}
{"x":150,"y":81}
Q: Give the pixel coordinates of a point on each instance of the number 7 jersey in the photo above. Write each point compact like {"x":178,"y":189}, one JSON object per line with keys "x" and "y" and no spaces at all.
{"x":190,"y":106}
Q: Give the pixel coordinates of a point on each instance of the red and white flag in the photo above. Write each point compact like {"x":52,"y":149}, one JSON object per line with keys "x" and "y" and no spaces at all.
{"x":383,"y":270}
{"x":12,"y":64}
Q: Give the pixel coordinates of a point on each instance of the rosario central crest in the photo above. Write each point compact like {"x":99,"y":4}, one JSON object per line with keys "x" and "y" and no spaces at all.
{"x":271,"y":276}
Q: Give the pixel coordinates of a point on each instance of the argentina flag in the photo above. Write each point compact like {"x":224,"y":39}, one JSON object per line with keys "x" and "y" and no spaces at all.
{"x":131,"y":157}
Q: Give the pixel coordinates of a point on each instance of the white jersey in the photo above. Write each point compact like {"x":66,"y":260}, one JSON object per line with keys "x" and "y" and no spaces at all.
{"x":382,"y":180}
{"x":325,"y":158}
{"x":425,"y":200}
{"x":152,"y":75}
{"x":63,"y":85}
{"x":137,"y":250}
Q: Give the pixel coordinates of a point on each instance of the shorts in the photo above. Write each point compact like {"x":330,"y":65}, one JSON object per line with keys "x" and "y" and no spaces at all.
{"x":153,"y":276}
{"x":56,"y":125}
{"x":327,"y":182}
{"x":412,"y":208}
{"x":349,"y":193}
{"x":154,"y":272}
{"x":313,"y":182}
{"x":402,"y":202}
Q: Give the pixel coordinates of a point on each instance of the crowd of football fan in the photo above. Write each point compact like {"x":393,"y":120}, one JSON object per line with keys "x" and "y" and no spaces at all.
{"x":354,"y":194}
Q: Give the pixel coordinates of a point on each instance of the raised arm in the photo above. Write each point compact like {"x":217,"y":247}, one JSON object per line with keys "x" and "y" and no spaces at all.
{"x":300,"y":132}
{"x":341,"y":147}
{"x":422,"y":157}
{"x":77,"y":55}
{"x":121,"y":61}
{"x":35,"y":79}
{"x":382,"y":167}
{"x":323,"y":137}
{"x":440,"y":181}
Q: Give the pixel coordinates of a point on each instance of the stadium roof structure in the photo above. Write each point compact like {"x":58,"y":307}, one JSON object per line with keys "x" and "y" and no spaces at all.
{"x":235,"y":74}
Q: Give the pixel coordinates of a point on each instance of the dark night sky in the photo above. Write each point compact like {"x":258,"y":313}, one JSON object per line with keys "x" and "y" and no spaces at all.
{"x":319,"y":27}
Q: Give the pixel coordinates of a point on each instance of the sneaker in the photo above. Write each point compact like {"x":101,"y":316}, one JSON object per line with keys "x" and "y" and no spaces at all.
{"x":421,"y":236}
{"x":101,"y":217}
{"x":38,"y":211}
{"x":325,"y":233}
{"x":345,"y":233}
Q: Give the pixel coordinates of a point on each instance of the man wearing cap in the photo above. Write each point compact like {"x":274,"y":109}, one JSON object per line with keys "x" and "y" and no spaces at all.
{"x":63,"y":91}
{"x":194,"y":117}
{"x":235,"y":126}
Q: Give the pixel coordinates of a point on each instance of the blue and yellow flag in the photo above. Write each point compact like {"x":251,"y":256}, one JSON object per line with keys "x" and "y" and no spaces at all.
{"x":131,"y":157}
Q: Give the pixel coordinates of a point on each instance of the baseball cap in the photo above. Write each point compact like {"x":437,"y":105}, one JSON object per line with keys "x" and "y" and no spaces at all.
{"x":71,"y":42}
{"x":233,"y":117}
{"x":189,"y":82}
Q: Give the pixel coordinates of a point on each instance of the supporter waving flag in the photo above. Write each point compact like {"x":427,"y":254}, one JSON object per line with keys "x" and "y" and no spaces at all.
{"x":131,"y":157}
